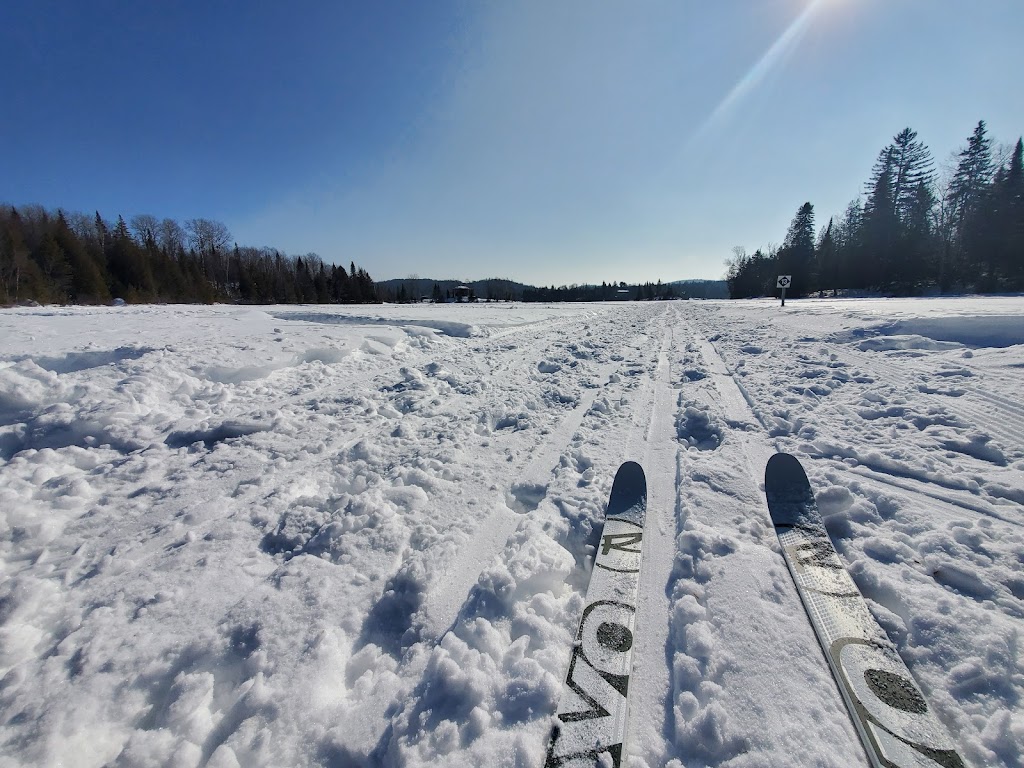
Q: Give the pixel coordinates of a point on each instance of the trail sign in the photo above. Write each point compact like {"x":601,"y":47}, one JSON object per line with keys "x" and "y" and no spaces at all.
{"x":784,"y":282}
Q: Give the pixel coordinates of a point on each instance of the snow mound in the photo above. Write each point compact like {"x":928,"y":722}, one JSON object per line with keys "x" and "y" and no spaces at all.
{"x":904,"y":342}
{"x":447,"y":327}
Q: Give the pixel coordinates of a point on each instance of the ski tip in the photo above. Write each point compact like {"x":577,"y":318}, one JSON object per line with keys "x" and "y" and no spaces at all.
{"x":629,"y":490}
{"x":789,"y":494}
{"x":630,"y":471}
{"x":784,"y":469}
{"x":631,"y":474}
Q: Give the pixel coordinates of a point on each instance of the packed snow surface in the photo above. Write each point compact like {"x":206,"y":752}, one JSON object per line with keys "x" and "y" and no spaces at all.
{"x":315,"y":535}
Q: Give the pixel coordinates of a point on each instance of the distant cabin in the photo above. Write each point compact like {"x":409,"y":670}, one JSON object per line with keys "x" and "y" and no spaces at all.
{"x":622,"y":294}
{"x":463,"y":293}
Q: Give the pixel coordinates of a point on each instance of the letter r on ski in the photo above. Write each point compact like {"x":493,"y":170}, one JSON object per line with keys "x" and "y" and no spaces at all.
{"x":621,"y":541}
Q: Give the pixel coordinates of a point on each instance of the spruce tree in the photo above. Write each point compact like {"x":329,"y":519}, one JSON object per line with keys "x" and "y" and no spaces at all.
{"x":1008,"y":219}
{"x":55,"y":270}
{"x":827,"y":265}
{"x":880,"y":225}
{"x":967,"y":197}
{"x":912,"y":166}
{"x":848,"y":239}
{"x":796,"y":257}
{"x":88,"y":284}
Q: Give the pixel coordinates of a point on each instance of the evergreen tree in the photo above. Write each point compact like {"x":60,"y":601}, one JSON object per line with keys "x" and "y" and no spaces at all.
{"x":341,"y":291}
{"x":880,"y":226}
{"x":848,"y":240}
{"x":968,"y":193}
{"x":827,"y":266}
{"x":55,"y":270}
{"x":88,"y":284}
{"x":15,"y":264}
{"x":912,"y":166}
{"x":1008,"y":219}
{"x":320,"y":285}
{"x":796,"y":257}
{"x":916,"y":242}
{"x":130,"y":273}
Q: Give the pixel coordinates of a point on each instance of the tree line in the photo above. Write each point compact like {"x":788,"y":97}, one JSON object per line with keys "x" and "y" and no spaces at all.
{"x":913,"y":231}
{"x":604,"y":292}
{"x":61,"y":258}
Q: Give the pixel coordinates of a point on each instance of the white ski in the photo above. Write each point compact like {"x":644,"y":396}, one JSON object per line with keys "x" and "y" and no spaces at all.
{"x":590,"y":726}
{"x":885,"y":703}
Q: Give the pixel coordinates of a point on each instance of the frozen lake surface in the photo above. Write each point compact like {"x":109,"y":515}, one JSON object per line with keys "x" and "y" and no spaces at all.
{"x":361,"y":536}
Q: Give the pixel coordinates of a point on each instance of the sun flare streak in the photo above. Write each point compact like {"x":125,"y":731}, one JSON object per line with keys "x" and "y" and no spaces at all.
{"x":771,"y":59}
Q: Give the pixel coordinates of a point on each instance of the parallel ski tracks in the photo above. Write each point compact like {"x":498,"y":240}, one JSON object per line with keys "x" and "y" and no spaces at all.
{"x":242,"y":482}
{"x":972,"y":408}
{"x":655,"y":442}
{"x":449,"y":592}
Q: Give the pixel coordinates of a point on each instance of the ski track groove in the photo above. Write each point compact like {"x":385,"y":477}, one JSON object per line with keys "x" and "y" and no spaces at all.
{"x":921,"y":487}
{"x":494,"y":530}
{"x":235,"y":486}
{"x":458,"y":577}
{"x":907,"y":379}
{"x":649,"y":682}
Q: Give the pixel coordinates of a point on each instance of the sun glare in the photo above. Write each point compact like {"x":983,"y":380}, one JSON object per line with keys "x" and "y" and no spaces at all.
{"x":769,"y":61}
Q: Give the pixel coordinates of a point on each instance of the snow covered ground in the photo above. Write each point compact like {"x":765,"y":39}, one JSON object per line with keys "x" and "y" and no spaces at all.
{"x":288,"y":536}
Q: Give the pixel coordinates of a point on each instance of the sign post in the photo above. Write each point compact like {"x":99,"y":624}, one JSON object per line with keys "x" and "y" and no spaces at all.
{"x":784,"y":282}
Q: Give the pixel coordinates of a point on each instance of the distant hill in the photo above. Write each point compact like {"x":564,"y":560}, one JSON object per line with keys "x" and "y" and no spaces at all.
{"x":419,"y":288}
{"x":702,"y":289}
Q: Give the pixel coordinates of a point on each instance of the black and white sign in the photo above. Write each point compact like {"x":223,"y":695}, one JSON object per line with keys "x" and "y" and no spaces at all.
{"x":784,"y":281}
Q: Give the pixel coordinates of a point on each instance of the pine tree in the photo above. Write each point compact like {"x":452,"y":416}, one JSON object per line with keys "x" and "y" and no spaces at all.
{"x":967,"y":197}
{"x":827,"y":267}
{"x":88,"y":284}
{"x":1008,"y":219}
{"x":912,"y":166}
{"x":848,"y":239}
{"x":55,"y":270}
{"x":880,"y":225}
{"x":916,"y":242}
{"x":796,"y":257}
{"x":130,"y":272}
{"x":14,"y":258}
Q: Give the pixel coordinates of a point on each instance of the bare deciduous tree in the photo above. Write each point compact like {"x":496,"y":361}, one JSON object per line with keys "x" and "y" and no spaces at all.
{"x":144,"y":227}
{"x":207,"y":236}
{"x":171,"y":237}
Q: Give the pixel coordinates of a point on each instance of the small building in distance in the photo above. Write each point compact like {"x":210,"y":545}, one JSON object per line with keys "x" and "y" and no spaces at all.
{"x":463,"y":293}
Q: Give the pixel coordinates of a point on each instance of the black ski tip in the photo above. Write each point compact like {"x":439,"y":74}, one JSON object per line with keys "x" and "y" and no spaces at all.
{"x":629,"y":491}
{"x":631,"y":474}
{"x":784,"y":470}
{"x":789,"y":494}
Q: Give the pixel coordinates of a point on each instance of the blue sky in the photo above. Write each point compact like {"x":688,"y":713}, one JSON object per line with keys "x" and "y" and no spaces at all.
{"x":547,"y":142}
